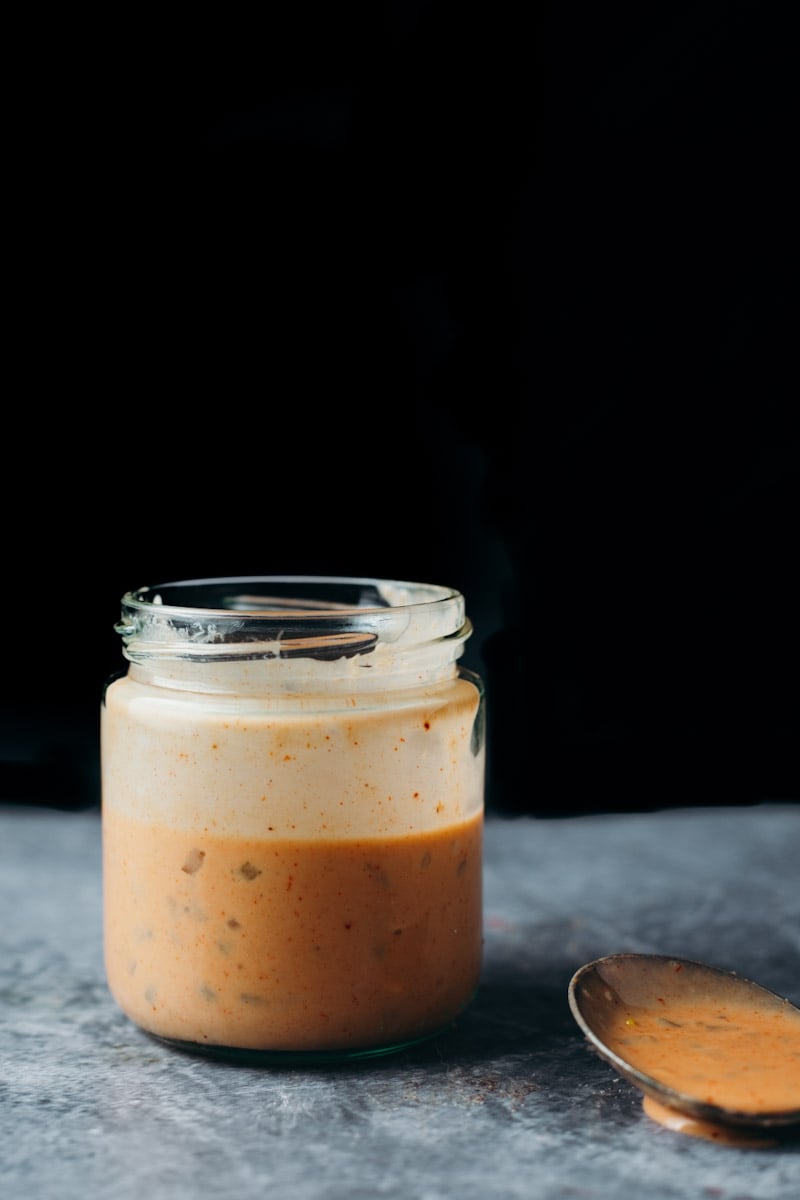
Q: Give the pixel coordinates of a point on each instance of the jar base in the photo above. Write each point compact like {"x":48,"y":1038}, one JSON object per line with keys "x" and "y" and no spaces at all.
{"x":290,"y":1058}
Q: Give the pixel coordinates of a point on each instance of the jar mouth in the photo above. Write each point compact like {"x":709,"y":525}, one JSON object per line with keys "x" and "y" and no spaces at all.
{"x":265,"y":595}
{"x":286,"y":616}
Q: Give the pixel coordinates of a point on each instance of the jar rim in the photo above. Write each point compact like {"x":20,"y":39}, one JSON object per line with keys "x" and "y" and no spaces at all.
{"x":385,"y":593}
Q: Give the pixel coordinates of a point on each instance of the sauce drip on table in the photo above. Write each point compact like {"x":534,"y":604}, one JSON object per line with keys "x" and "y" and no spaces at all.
{"x":726,"y":1135}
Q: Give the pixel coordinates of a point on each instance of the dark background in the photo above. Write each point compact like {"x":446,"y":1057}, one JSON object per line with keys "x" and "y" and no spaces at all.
{"x":494,"y":298}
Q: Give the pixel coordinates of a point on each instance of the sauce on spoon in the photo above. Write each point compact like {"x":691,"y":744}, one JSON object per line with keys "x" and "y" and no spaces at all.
{"x":716,"y":1055}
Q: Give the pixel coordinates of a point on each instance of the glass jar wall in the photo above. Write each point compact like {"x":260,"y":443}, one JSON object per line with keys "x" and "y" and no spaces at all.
{"x":292,"y":809}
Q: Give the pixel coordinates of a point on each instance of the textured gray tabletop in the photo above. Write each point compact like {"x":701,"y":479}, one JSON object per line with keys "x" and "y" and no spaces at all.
{"x":509,"y":1103}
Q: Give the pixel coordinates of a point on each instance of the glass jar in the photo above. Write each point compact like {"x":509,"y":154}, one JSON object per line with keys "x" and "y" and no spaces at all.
{"x":292,"y":814}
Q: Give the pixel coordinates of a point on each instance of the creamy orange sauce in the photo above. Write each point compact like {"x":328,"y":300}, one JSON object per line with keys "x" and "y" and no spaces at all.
{"x":722,"y":1050}
{"x":296,"y":877}
{"x":291,"y":944}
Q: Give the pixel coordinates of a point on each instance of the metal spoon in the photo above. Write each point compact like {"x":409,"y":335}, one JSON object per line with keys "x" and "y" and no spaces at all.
{"x":680,"y":1031}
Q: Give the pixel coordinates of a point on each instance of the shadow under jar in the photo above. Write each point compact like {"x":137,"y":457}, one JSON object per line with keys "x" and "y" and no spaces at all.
{"x":292,"y":814}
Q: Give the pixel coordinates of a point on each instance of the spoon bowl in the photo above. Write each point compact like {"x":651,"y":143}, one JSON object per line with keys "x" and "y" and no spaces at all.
{"x":696,"y":1039}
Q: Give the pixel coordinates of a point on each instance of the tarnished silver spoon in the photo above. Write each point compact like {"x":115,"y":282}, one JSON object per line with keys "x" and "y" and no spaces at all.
{"x":715,"y":1054}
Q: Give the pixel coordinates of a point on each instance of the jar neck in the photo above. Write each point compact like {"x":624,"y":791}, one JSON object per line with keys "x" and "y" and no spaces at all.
{"x":293,"y":635}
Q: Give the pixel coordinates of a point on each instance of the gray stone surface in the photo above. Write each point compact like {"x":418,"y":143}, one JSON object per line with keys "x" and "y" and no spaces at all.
{"x":509,"y":1103}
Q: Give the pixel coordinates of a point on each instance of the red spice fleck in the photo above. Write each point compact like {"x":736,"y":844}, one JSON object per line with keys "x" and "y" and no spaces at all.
{"x":678,"y":967}
{"x":426,"y":725}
